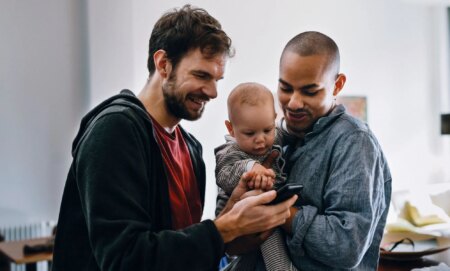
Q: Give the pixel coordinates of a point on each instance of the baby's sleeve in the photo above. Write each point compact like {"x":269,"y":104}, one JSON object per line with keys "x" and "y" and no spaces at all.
{"x":231,"y":163}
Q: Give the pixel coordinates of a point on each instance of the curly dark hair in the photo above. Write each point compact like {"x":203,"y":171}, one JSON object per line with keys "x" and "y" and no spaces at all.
{"x":179,"y":31}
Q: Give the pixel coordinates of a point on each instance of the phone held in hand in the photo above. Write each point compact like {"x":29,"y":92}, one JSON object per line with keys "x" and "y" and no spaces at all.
{"x":287,"y":191}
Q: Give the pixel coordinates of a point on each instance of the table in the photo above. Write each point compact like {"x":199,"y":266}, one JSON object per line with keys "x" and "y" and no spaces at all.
{"x":12,"y":252}
{"x":425,"y":261}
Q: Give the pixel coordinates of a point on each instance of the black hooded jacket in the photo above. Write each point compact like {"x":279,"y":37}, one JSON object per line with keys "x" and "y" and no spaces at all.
{"x":115,"y":212}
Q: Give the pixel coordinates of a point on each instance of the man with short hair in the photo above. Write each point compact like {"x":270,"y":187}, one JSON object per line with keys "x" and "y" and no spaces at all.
{"x":134,"y":194}
{"x":338,"y":221}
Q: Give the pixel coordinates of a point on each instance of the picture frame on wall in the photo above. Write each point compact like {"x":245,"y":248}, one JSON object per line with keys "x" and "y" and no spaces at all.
{"x":356,"y":106}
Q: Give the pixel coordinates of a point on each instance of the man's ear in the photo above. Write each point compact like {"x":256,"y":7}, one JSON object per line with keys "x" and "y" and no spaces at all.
{"x":162,"y":63}
{"x":339,"y":84}
{"x":229,"y":127}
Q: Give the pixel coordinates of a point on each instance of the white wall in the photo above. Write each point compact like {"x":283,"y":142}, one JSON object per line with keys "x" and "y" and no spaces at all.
{"x":42,"y":94}
{"x":392,"y":52}
{"x":110,"y":47}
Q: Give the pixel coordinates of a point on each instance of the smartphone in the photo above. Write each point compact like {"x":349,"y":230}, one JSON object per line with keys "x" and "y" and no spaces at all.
{"x":287,"y":191}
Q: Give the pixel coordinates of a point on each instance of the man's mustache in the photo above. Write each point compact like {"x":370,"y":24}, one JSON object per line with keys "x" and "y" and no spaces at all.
{"x":199,"y":96}
{"x":298,"y":111}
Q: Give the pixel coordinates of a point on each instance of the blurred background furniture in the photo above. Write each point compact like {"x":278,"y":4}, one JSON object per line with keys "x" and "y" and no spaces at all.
{"x":419,"y":213}
{"x":13,"y":252}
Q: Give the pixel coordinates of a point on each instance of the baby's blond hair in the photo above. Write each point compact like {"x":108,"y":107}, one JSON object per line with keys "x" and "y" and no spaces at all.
{"x":251,"y":94}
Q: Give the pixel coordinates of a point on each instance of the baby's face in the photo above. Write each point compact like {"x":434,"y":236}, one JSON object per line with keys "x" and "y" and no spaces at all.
{"x":254,"y":128}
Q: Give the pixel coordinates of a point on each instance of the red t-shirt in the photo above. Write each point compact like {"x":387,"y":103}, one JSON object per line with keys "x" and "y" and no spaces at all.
{"x":184,"y":194}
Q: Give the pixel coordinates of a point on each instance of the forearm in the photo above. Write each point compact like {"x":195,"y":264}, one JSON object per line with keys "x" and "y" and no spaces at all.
{"x":287,"y":226}
{"x":227,"y":228}
{"x":124,"y":252}
{"x":229,"y":174}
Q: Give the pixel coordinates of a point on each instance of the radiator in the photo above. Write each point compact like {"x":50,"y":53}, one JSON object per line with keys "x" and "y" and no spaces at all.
{"x":28,"y":231}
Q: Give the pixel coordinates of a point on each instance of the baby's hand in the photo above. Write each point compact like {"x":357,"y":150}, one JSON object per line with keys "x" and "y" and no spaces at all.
{"x":263,"y":178}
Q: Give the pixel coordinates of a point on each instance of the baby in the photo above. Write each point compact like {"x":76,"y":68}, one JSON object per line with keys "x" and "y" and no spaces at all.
{"x":252,"y":137}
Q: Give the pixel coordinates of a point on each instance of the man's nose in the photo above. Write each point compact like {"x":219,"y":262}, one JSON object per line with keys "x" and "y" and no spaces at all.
{"x":296,"y":101}
{"x":211,"y":90}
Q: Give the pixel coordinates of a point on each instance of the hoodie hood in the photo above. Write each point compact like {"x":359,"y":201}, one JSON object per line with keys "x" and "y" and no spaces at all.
{"x":124,"y":98}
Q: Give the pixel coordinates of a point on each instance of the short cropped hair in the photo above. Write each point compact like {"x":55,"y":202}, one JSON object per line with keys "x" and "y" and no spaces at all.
{"x":179,"y":31}
{"x":315,"y":43}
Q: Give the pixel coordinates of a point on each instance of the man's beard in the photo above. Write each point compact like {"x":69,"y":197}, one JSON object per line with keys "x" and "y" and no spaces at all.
{"x":175,"y":103}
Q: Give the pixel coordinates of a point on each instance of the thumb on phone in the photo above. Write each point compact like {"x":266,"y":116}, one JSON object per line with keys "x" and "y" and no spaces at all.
{"x":263,"y":198}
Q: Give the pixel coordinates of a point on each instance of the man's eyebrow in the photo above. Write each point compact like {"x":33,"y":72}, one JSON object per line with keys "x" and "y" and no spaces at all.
{"x":205,"y":73}
{"x":284,"y":82}
{"x":309,"y":86}
{"x":305,"y":87}
{"x":201,"y":72}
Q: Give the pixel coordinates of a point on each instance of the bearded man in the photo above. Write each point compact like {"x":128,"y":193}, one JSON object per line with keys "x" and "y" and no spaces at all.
{"x":134,"y":194}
